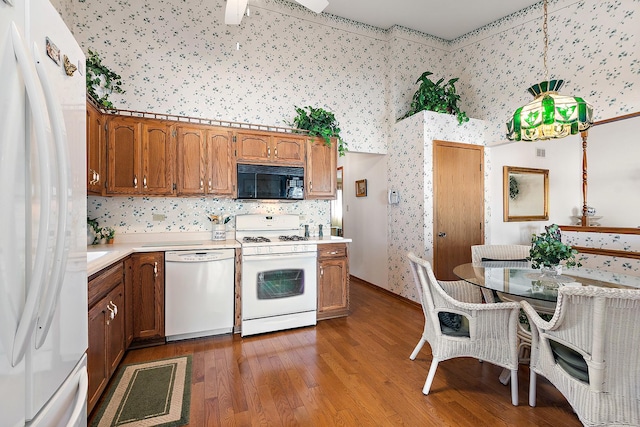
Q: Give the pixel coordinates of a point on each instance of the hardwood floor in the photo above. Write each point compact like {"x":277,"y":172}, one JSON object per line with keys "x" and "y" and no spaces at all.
{"x":352,"y":371}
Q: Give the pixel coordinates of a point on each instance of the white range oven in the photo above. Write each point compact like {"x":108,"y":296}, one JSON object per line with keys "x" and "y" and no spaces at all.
{"x":279,"y":279}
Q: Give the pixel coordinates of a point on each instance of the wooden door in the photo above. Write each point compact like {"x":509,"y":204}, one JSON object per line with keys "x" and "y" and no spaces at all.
{"x":320,"y":173}
{"x":191,"y":160}
{"x":123,"y":160}
{"x":289,"y":150}
{"x":458,"y":208}
{"x":158,"y":158}
{"x":220,"y":163}
{"x":253,"y":147}
{"x":96,"y":148}
{"x":148,"y":295}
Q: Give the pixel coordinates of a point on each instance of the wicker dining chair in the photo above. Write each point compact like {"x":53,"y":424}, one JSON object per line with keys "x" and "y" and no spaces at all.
{"x":486,"y":331}
{"x":589,"y":352}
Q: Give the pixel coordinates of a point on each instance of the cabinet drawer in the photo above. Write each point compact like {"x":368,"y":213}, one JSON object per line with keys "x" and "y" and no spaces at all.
{"x":332,"y":250}
{"x":101,"y":283}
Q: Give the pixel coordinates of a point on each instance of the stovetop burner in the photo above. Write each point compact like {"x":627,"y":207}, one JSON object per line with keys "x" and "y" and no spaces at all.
{"x":293,"y":238}
{"x":257,"y":239}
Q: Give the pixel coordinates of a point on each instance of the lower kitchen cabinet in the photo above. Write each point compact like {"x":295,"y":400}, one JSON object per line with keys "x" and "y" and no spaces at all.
{"x":147,"y":298}
{"x":106,"y":329}
{"x":333,"y":280}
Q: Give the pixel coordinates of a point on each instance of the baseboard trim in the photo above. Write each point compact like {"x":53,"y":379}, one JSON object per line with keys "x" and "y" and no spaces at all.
{"x":386,"y":292}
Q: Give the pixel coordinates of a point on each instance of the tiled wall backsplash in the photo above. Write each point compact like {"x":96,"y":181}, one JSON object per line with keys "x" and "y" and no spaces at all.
{"x":136,"y":214}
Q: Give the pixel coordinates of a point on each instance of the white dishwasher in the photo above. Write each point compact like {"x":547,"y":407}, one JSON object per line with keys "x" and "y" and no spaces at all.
{"x":199,"y":293}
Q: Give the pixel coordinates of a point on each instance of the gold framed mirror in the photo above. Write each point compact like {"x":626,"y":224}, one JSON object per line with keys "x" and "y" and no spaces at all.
{"x":525,"y":194}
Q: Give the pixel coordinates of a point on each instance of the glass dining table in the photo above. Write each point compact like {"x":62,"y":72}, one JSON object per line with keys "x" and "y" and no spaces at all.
{"x":518,"y":280}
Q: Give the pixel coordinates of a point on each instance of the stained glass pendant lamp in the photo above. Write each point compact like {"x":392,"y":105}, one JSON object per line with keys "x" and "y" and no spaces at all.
{"x":550,"y":115}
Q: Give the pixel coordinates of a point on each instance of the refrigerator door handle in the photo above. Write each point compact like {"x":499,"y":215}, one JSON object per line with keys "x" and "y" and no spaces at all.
{"x":36,"y":103}
{"x":61,"y":252}
{"x":81,"y":400}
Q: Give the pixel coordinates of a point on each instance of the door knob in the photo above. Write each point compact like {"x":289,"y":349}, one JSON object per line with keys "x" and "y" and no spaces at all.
{"x":441,"y":234}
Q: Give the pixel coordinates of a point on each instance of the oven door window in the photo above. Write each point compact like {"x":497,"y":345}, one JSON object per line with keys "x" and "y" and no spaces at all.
{"x":278,"y":284}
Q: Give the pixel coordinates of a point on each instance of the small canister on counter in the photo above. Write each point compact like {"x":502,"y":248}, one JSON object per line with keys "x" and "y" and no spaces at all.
{"x":219,"y":232}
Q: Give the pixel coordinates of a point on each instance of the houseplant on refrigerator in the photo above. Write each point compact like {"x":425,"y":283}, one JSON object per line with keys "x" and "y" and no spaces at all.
{"x":101,"y":80}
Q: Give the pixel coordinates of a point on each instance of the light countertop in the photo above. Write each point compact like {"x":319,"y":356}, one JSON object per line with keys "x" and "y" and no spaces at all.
{"x":101,"y":256}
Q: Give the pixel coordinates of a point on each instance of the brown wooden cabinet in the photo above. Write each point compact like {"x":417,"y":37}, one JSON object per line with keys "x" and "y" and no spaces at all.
{"x":96,"y":150}
{"x":320,"y":171}
{"x":106,"y":329}
{"x":270,"y":148}
{"x":140,"y":156}
{"x":206,"y":161}
{"x":333,"y":280}
{"x":147,"y":274}
{"x":128,"y":301}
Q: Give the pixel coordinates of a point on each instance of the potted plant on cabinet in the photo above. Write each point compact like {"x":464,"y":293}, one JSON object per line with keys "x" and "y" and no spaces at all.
{"x":101,"y":81}
{"x":319,"y":122}
{"x":547,"y":251}
{"x":439,"y":97}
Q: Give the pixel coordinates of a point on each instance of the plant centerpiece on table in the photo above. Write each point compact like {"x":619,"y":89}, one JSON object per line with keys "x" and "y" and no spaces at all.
{"x":548,"y":251}
{"x":101,"y":78}
{"x":439,"y":97}
{"x":319,"y":122}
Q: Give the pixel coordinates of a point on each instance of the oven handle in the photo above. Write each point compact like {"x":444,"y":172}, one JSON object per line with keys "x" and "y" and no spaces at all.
{"x":262,"y":257}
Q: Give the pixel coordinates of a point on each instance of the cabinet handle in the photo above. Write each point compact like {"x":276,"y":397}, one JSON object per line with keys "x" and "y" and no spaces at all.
{"x":210,"y":187}
{"x":97,"y":178}
{"x":310,"y":186}
{"x":201,"y":184}
{"x":115,"y":308}
{"x":333,"y":252}
{"x":112,"y":315}
{"x":144,"y":181}
{"x":276,"y":152}
{"x":269,"y":152}
{"x":155,"y":269}
{"x":321,"y":271}
{"x":135,"y":181}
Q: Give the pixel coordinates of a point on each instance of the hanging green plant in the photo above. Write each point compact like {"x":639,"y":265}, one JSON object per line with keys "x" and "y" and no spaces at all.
{"x":100,"y":79}
{"x":319,"y":122}
{"x":439,"y":97}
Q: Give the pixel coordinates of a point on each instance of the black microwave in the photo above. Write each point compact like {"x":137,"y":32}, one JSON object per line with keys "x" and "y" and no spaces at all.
{"x":270,"y":182}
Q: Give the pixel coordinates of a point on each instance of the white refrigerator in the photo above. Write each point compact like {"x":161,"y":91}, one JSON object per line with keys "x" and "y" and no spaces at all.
{"x":43,"y":277}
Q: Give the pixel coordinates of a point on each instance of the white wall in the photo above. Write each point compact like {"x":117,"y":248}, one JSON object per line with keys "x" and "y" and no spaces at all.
{"x":365,"y":218}
{"x":563,"y":158}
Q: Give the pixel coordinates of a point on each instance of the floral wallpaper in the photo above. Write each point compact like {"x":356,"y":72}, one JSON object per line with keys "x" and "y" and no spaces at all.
{"x":410,"y":169}
{"x":611,"y":241}
{"x":136,"y":214}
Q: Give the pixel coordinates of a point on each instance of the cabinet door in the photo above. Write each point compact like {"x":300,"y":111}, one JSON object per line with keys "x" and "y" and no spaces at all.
{"x":191,"y":160}
{"x":333,"y":281}
{"x":158,"y":158}
{"x":114,"y":303}
{"x":253,"y":147}
{"x":220,"y":163}
{"x":123,"y":156}
{"x":96,"y":148}
{"x":320,"y":173}
{"x":148,"y":295}
{"x":128,"y":302}
{"x":97,"y":368}
{"x":288,"y":149}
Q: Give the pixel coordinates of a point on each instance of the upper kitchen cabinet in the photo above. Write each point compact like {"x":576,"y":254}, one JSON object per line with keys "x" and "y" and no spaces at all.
{"x":140,"y":156}
{"x":270,"y":148}
{"x":96,"y":147}
{"x":206,"y":161}
{"x":320,"y":171}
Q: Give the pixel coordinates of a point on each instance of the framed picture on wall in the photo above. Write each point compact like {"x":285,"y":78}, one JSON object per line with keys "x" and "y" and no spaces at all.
{"x":361,"y":188}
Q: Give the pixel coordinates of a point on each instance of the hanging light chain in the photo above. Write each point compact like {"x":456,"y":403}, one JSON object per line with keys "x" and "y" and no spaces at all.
{"x":546,"y":42}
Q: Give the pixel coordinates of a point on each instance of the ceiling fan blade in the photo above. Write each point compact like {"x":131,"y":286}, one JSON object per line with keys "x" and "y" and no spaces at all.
{"x":234,"y":11}
{"x":315,"y":5}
